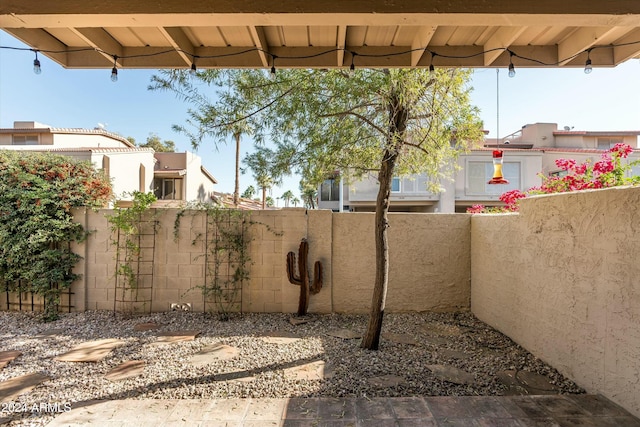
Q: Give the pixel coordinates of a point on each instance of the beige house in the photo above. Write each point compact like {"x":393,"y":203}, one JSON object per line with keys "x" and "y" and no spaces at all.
{"x":170,"y":176}
{"x":528,"y":152}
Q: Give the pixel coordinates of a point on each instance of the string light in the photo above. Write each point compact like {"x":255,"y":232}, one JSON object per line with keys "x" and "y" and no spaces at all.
{"x":193,"y":69}
{"x":352,"y":67}
{"x":512,"y":68}
{"x":587,"y":65}
{"x":36,"y":64}
{"x":273,"y":67}
{"x":114,"y":70}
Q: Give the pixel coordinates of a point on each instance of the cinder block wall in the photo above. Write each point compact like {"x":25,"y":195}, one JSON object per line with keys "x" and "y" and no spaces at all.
{"x":562,"y":279}
{"x":430,"y":261}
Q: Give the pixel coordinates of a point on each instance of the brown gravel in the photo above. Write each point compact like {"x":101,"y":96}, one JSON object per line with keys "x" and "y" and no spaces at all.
{"x":414,"y":342}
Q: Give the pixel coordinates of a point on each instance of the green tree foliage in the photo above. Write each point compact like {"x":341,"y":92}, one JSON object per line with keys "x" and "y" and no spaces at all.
{"x":384,"y":121}
{"x":249,"y":192}
{"x":288,"y":197}
{"x":37,"y":194}
{"x":159,"y":145}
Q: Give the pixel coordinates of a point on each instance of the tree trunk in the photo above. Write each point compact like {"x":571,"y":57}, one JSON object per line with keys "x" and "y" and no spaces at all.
{"x":236,"y":192}
{"x":397,"y":126}
{"x":264,"y":197}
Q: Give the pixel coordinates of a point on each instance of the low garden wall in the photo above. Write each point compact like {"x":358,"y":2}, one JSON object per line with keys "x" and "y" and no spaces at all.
{"x":430,"y":261}
{"x":562,"y":279}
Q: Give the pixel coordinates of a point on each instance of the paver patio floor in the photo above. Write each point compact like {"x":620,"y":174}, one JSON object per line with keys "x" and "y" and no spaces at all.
{"x":516,"y":411}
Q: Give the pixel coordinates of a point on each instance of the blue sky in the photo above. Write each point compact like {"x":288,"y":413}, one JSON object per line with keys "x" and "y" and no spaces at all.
{"x":606,"y":99}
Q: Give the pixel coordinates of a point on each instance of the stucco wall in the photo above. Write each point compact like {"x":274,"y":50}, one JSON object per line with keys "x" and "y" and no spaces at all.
{"x":429,"y":261}
{"x":562,"y":279}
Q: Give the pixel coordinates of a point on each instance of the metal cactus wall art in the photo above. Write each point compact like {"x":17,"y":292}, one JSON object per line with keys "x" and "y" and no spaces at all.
{"x":302,"y":278}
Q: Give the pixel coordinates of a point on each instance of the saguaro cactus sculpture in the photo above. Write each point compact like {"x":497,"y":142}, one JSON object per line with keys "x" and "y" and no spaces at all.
{"x":302,"y":279}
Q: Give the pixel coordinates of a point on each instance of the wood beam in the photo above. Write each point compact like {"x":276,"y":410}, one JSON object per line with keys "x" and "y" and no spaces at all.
{"x":502,"y":38}
{"x":179,"y":40}
{"x":260,"y":41}
{"x":624,"y":53}
{"x":581,"y":40}
{"x":42,"y":40}
{"x":420,"y":42}
{"x":99,"y":39}
{"x":341,"y":44}
{"x":80,"y":7}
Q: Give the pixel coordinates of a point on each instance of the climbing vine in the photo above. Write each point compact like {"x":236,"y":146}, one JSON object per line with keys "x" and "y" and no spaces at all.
{"x":37,"y":194}
{"x":227,"y":259}
{"x":127,"y":224}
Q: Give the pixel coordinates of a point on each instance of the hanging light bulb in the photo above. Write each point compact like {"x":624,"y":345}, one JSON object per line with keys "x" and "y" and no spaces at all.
{"x":114,"y":70}
{"x":431,"y":67}
{"x":588,"y":68}
{"x":352,"y":67}
{"x":497,"y":169}
{"x":273,"y":67}
{"x":512,"y":68}
{"x":36,"y":64}
{"x":193,"y":69}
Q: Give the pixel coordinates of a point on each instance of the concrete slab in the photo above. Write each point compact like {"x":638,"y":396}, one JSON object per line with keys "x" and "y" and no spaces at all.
{"x":213,"y":353}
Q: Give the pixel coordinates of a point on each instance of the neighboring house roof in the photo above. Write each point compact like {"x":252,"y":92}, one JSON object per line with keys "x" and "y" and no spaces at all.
{"x":170,"y":173}
{"x":208,"y":174}
{"x":86,"y":149}
{"x":76,"y":131}
{"x":545,"y":149}
{"x":597,"y":133}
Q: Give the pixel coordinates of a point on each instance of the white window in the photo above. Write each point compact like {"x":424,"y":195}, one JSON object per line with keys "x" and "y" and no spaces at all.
{"x":330,"y":190}
{"x":395,"y":185}
{"x":25,"y":140}
{"x":607,"y":143}
{"x":479,"y":173}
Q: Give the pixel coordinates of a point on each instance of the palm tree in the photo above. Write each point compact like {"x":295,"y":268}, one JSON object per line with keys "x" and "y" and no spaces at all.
{"x":287,"y":196}
{"x":295,"y":201}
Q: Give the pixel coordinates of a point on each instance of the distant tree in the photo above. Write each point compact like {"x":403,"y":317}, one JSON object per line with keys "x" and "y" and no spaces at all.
{"x":263,"y":173}
{"x":132,"y":140}
{"x":158,"y":145}
{"x":309,"y":194}
{"x":287,"y":196}
{"x":269,"y":202}
{"x":295,"y":201}
{"x":249,"y":192}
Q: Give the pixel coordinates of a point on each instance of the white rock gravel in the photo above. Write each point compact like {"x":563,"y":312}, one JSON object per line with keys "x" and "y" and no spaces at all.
{"x":169,"y":375}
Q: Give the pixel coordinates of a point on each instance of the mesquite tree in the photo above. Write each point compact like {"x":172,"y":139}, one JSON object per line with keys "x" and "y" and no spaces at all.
{"x":389,"y":122}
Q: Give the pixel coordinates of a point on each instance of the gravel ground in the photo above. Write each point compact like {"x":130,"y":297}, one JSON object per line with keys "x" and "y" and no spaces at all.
{"x":441,"y":338}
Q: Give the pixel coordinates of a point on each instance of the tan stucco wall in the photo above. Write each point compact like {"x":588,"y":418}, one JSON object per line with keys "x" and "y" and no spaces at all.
{"x":562,"y":279}
{"x":429,"y":261}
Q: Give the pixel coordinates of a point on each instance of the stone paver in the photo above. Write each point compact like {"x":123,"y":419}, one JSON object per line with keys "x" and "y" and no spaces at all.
{"x":10,"y":389}
{"x":148,"y":326}
{"x":171,"y":337}
{"x":516,"y":411}
{"x":7,"y":357}
{"x":385,"y":381}
{"x":128,"y":369}
{"x":401,"y":338}
{"x":451,"y":374}
{"x":213,"y":353}
{"x":48,"y":333}
{"x":280,"y":337}
{"x":345,"y":334}
{"x":525,"y":383}
{"x":90,"y":351}
{"x":308,"y":371}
